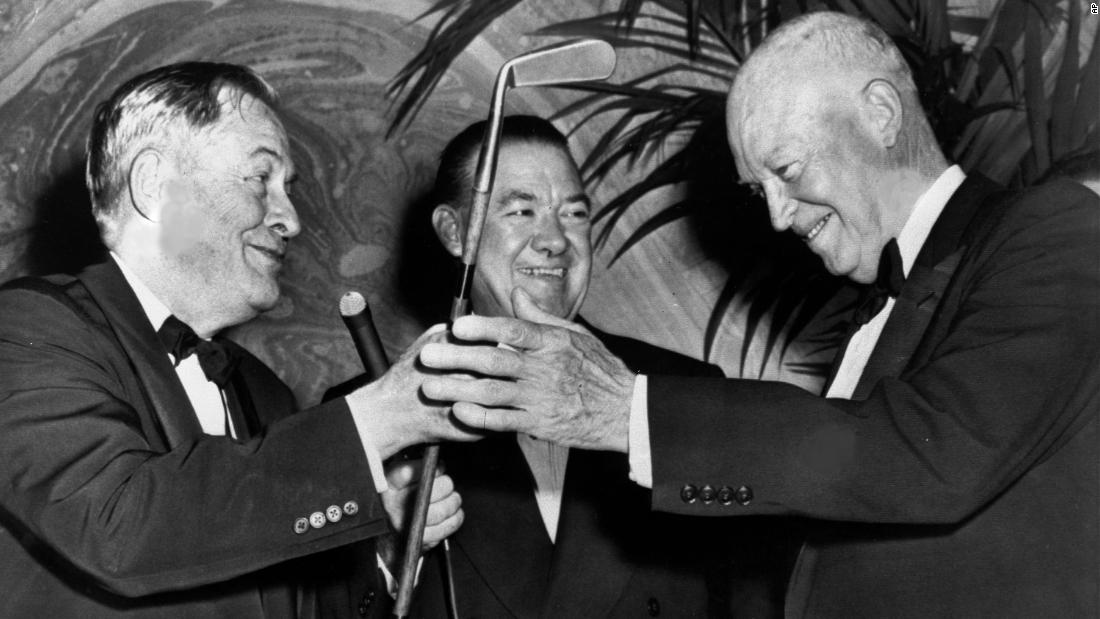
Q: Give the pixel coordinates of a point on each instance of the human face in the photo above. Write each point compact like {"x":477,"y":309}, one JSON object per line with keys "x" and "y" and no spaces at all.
{"x":234,"y":214}
{"x":806,"y":149}
{"x":536,"y":233}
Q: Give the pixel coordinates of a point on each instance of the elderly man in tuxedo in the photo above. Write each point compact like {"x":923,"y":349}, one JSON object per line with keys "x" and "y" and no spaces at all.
{"x":151,"y":468}
{"x":552,"y":531}
{"x":950,"y":467}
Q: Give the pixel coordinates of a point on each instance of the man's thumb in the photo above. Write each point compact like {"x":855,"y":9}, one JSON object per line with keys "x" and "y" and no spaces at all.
{"x":524,"y":308}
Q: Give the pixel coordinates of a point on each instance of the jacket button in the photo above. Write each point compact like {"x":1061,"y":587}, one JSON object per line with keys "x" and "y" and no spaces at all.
{"x":725,"y":495}
{"x":743,"y":495}
{"x":317,"y":520}
{"x":364,"y":604}
{"x":653,"y":606}
{"x":688,"y":493}
{"x":707,"y":494}
{"x":333,"y":513}
{"x":301,"y":525}
{"x":351,"y":508}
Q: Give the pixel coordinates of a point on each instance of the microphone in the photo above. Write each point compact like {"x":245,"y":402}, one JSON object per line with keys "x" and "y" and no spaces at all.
{"x":357,"y":318}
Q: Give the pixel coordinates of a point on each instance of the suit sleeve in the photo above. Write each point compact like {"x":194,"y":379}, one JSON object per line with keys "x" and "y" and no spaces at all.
{"x":83,"y":482}
{"x":1005,"y":375}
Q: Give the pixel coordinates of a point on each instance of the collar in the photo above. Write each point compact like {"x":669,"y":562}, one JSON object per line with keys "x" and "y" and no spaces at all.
{"x":925,"y":213}
{"x":156,"y":311}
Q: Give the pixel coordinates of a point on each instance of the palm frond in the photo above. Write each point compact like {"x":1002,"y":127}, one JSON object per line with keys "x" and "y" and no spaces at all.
{"x":461,"y":22}
{"x":1064,"y":98}
{"x":665,"y":216}
{"x":1088,"y":96}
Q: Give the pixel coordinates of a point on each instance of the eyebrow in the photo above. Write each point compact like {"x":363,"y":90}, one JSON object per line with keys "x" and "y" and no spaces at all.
{"x":580,"y":197}
{"x":262,"y":151}
{"x":519,"y":195}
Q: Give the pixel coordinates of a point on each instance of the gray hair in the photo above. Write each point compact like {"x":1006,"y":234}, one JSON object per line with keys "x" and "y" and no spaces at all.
{"x":149,"y":107}
{"x":825,"y":43}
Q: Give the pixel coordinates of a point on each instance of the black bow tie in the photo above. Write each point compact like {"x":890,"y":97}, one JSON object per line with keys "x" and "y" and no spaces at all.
{"x":891,"y":276}
{"x":216,"y":359}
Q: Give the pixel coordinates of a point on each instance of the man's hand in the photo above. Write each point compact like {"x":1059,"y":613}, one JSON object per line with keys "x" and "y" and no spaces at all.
{"x":393,"y":413}
{"x":558,"y":382}
{"x":445,"y":513}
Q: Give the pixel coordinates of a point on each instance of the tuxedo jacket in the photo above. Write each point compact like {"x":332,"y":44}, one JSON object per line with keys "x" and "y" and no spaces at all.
{"x":961,"y":480}
{"x":114,"y":503}
{"x":613,"y":556}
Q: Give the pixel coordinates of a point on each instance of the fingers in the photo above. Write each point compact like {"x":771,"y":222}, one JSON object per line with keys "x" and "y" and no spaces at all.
{"x":445,"y":514}
{"x":481,"y":359}
{"x":497,"y":420}
{"x":524,"y":307}
{"x":486,"y":391}
{"x":442,"y":488}
{"x":516,"y":333}
{"x":439,"y":531}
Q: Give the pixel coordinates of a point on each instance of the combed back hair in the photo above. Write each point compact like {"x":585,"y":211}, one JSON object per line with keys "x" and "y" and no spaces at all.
{"x":839,"y":40}
{"x":454,"y":180}
{"x":829,"y":44}
{"x":150,"y":107}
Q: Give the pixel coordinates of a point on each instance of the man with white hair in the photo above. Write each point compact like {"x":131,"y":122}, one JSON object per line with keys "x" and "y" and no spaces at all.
{"x":950,"y":468}
{"x":150,"y":467}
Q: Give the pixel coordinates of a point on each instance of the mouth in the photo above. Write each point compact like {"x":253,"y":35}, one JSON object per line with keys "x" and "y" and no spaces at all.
{"x":548,"y":272}
{"x":809,"y":236}
{"x":275,"y":255}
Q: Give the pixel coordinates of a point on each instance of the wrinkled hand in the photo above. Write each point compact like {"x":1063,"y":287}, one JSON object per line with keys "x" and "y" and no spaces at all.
{"x":393,"y":413}
{"x":559,"y":383}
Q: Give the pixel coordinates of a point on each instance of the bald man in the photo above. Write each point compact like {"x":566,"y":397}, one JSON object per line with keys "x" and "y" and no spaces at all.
{"x":950,"y":467}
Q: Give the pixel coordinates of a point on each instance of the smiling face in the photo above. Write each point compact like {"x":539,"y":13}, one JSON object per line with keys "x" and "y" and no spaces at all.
{"x":536,"y":233}
{"x":226,"y":229}
{"x":807,"y":149}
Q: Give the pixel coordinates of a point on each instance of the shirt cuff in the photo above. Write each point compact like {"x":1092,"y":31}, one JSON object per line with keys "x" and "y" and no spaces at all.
{"x":374,"y":459}
{"x":641,"y":464}
{"x":391,"y":583}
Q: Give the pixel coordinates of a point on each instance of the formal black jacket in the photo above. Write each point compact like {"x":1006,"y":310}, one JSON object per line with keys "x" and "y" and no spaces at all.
{"x":613,"y":557}
{"x":962,"y":478}
{"x":113,"y":503}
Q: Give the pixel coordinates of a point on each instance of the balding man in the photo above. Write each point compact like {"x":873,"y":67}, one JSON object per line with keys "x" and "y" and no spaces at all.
{"x":150,"y":468}
{"x":950,"y":468}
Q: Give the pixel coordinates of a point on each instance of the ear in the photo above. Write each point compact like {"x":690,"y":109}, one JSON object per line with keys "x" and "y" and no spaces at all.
{"x":449,"y":228}
{"x":884,"y":111}
{"x":149,"y":173}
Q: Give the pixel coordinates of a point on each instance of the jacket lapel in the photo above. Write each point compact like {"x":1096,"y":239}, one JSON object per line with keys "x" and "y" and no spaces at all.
{"x":503,"y":535}
{"x":108,"y":288}
{"x":589,"y":570}
{"x":923,"y":290}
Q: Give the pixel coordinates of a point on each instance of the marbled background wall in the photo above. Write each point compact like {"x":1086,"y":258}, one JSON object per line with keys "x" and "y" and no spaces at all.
{"x":330,"y":60}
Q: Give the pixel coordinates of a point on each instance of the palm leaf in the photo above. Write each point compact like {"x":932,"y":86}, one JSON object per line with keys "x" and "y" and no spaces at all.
{"x":665,"y":216}
{"x":1088,"y":95}
{"x":462,"y":21}
{"x":1037,"y":105}
{"x":1064,"y":98}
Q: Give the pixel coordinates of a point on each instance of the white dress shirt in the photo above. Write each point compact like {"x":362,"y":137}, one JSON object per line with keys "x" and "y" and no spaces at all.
{"x":205,"y":397}
{"x":912,"y":237}
{"x":547,"y":462}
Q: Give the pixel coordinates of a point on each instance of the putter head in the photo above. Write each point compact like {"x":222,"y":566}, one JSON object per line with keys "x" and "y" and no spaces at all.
{"x":581,"y":60}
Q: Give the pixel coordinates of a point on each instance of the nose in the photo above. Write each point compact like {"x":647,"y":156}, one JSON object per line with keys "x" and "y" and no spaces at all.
{"x":780,"y":207}
{"x":282,"y":217}
{"x":550,"y":236}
